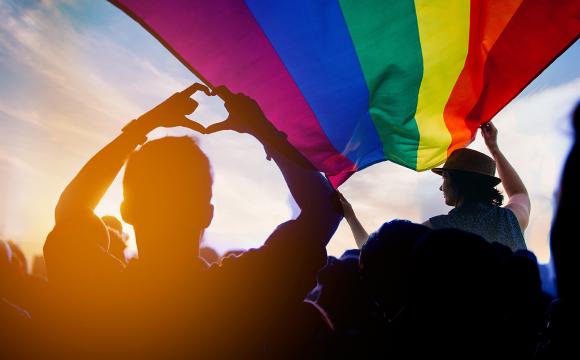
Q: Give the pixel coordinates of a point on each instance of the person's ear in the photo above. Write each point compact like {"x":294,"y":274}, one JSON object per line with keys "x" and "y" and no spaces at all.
{"x":208,"y":216}
{"x":126,"y":213}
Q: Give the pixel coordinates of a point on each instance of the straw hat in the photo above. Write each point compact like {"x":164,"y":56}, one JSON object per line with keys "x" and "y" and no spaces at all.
{"x":470,"y":161}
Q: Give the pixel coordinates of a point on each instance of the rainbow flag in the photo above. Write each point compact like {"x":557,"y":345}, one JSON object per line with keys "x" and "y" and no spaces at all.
{"x":355,"y":82}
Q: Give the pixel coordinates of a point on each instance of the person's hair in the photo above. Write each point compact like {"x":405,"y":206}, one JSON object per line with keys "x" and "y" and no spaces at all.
{"x":170,"y":171}
{"x":393,"y":241}
{"x":474,"y":188}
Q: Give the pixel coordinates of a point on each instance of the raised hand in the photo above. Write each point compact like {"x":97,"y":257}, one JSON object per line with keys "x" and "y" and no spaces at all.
{"x":347,"y":209}
{"x":172,"y":112}
{"x":489,"y":134}
{"x":245,"y":116}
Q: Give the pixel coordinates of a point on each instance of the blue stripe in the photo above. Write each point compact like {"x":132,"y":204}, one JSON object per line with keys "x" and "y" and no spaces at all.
{"x":313,"y":42}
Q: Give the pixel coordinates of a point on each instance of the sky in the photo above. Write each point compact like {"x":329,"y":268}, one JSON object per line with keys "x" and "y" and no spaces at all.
{"x":72,"y":73}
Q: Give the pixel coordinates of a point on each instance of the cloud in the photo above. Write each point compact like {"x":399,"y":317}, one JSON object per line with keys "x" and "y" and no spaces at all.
{"x":13,"y":161}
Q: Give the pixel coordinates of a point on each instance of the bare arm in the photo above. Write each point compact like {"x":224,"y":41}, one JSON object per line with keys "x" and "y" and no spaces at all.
{"x":88,"y":187}
{"x":358,"y":231}
{"x":518,"y":198}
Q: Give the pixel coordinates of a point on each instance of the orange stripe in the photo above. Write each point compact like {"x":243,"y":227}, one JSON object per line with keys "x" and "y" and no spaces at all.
{"x":488,"y":18}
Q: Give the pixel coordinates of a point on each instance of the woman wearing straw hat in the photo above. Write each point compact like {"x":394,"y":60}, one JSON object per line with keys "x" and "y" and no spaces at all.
{"x":469,"y":183}
{"x":469,"y":186}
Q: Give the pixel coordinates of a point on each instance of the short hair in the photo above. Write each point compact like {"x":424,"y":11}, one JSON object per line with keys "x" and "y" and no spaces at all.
{"x":473,"y":188}
{"x":168,"y":169}
{"x":392,"y":242}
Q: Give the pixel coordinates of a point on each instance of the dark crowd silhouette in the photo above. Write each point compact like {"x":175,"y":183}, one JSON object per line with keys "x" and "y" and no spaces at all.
{"x":460,"y":285}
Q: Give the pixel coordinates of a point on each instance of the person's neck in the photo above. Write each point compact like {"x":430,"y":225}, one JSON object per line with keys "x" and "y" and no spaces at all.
{"x":167,"y":247}
{"x":460,"y":202}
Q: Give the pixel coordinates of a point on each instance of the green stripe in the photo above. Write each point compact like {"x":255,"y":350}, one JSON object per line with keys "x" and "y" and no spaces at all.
{"x":386,"y":38}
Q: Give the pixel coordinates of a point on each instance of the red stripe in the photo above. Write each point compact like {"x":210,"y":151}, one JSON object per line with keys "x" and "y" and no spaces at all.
{"x":222,"y":40}
{"x":487,"y":20}
{"x":506,"y":53}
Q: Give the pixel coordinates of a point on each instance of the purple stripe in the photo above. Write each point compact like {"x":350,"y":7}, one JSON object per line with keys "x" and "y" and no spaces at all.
{"x":223,"y":42}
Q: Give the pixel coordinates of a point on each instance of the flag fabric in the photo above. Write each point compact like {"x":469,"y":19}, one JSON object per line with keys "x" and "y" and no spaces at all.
{"x":356,"y":82}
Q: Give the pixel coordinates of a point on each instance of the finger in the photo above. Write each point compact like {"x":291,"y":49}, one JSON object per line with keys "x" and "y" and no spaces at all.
{"x":190,"y":124}
{"x":217,"y":127}
{"x":223,"y":92}
{"x":190,"y":106}
{"x":195,"y":88}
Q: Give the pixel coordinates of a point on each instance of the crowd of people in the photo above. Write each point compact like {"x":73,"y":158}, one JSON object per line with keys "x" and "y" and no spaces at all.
{"x":446,"y":288}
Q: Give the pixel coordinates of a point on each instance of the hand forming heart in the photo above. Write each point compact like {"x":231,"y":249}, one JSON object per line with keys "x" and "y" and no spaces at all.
{"x":245,"y":116}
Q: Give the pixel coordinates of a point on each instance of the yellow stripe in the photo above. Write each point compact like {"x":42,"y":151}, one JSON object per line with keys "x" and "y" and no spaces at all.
{"x":444,"y":35}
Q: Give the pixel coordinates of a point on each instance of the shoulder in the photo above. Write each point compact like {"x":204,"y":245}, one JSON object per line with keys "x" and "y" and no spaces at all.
{"x":77,"y":247}
{"x":437,"y":222}
{"x":520,"y":206}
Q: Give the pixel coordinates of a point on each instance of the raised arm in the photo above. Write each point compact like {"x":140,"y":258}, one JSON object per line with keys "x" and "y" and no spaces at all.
{"x":84,"y":192}
{"x":518,"y":198}
{"x":358,"y":231}
{"x":310,"y":189}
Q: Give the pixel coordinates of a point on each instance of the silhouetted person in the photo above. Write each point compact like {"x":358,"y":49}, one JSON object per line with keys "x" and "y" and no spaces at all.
{"x":560,"y":336}
{"x":386,"y":261}
{"x":117,"y":238}
{"x":469,"y":186}
{"x":209,"y":255}
{"x":39,"y":267}
{"x":15,"y":322}
{"x":524,"y":304}
{"x":338,"y":291}
{"x":563,"y":242}
{"x":302,"y":332}
{"x":173,"y":305}
{"x":453,"y":310}
{"x":233,"y":252}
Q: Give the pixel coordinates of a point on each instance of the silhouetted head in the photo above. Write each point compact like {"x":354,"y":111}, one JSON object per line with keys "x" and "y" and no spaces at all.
{"x":209,"y":255}
{"x":469,"y":176}
{"x":460,"y":188}
{"x":454,"y":265}
{"x":386,"y":258}
{"x":339,"y":289}
{"x":6,"y":267}
{"x":454,"y":296}
{"x":167,"y":190}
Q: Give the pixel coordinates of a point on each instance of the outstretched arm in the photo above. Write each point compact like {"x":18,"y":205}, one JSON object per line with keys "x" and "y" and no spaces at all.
{"x":518,"y":198}
{"x":358,"y":231}
{"x":87,"y":188}
{"x":310,"y":189}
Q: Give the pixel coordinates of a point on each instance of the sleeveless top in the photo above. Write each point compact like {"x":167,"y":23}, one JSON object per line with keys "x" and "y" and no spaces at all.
{"x":493,"y":223}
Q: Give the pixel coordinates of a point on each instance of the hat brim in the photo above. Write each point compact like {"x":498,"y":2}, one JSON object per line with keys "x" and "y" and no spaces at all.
{"x":492,"y":179}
